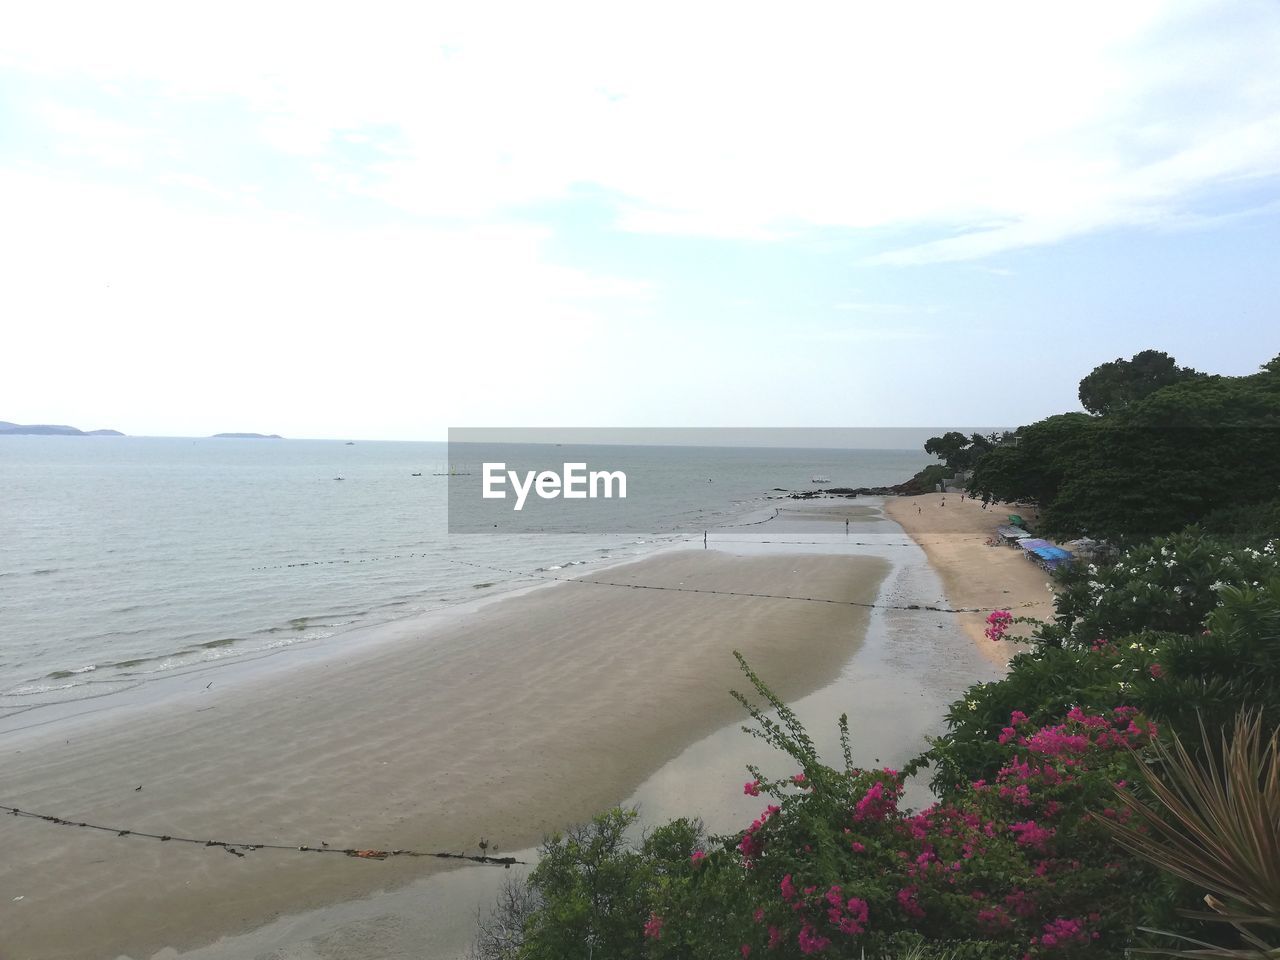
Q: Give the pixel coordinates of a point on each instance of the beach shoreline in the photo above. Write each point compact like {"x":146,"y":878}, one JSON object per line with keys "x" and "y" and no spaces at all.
{"x":952,"y":533}
{"x":517,"y":718}
{"x":507,"y":719}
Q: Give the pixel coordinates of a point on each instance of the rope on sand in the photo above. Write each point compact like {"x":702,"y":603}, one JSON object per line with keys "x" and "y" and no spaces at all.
{"x":738,"y":593}
{"x":236,"y":848}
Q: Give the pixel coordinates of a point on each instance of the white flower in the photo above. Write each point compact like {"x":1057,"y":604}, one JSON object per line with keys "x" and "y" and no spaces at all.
{"x":1178,"y":591}
{"x":1217,"y":585}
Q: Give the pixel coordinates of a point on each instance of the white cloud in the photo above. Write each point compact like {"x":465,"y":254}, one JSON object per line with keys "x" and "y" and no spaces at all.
{"x":154,"y":318}
{"x":1002,"y":125}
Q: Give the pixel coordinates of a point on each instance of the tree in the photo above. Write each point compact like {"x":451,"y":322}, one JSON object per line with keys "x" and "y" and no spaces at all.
{"x":1184,"y":452}
{"x":957,"y":451}
{"x":1031,"y":466}
{"x":1115,"y":386}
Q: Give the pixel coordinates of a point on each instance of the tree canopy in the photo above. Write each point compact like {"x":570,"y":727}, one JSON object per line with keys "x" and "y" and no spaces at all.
{"x":1113,"y":386}
{"x":1155,"y":465}
{"x":958,"y":451}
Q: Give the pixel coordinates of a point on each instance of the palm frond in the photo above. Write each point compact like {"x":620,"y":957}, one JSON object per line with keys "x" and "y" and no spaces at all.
{"x":1214,"y":821}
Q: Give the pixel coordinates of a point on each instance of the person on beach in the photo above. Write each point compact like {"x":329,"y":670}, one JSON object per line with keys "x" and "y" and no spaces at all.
{"x":846,"y":528}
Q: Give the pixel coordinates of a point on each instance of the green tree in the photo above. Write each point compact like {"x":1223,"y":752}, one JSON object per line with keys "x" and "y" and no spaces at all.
{"x":1182,"y":453}
{"x":1116,"y":385}
{"x":1033,"y":464}
{"x":957,"y":451}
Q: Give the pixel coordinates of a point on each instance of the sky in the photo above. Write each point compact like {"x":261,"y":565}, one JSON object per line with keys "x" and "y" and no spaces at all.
{"x":382,"y":220}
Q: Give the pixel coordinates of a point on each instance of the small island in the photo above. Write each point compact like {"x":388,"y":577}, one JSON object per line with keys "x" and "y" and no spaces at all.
{"x":51,"y":430}
{"x":246,"y":436}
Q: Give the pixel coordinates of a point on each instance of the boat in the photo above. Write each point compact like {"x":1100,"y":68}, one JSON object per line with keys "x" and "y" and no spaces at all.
{"x":819,"y":479}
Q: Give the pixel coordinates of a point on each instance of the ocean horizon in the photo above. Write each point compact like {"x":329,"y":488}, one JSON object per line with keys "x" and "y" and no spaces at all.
{"x":129,"y":559}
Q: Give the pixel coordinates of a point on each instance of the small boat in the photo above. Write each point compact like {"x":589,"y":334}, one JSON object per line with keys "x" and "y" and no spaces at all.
{"x":819,"y":479}
{"x":415,"y":474}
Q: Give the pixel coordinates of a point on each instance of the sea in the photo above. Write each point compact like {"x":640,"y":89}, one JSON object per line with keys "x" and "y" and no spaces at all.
{"x":124,"y":560}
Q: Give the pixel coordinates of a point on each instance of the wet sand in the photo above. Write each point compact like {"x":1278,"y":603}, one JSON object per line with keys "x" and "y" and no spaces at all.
{"x":974,"y":574}
{"x":505,"y":722}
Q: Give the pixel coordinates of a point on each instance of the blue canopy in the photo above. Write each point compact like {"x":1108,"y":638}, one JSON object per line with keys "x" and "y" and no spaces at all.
{"x":1052,"y":556}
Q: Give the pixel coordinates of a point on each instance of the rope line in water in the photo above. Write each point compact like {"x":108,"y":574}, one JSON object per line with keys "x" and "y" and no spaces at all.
{"x":237,"y":848}
{"x":739,"y":593}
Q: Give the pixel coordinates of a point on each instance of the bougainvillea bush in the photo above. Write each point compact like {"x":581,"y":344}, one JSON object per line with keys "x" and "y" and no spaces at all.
{"x":1015,"y":866}
{"x":1183,"y":628}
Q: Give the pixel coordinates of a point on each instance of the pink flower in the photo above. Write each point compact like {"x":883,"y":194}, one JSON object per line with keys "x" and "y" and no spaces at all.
{"x":998,"y":622}
{"x":857,"y":847}
{"x":697,"y":857}
{"x":653,"y":927}
{"x":1156,"y":671}
{"x":1063,"y":932}
{"x":751,"y":788}
{"x":877,"y":803}
{"x":1029,"y":834}
{"x":810,"y":940}
{"x":787,"y":887}
{"x":909,"y":901}
{"x":799,"y":779}
{"x":745,"y":949}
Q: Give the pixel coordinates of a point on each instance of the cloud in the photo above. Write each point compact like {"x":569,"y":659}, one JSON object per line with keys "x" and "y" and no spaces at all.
{"x":131,"y":310}
{"x":981,"y":129}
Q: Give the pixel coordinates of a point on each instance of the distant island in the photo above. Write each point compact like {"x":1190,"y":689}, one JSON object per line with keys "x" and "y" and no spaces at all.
{"x":247,"y":436}
{"x":50,"y":430}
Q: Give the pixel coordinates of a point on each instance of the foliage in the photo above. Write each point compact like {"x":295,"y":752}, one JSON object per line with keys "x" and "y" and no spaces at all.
{"x":957,"y":451}
{"x":592,"y":884}
{"x":1181,"y":627}
{"x":1116,"y":385}
{"x":1165,"y":584}
{"x":1013,"y":867}
{"x":1034,"y":468}
{"x":1020,"y":865}
{"x":500,"y":935}
{"x":1215,"y":821}
{"x":1249,"y":525}
{"x":1179,"y":454}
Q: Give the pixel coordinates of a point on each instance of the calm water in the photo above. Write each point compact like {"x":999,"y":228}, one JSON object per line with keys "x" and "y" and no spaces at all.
{"x":123,"y":559}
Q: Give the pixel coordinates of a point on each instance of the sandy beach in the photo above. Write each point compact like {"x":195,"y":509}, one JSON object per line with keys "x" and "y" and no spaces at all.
{"x":510,"y":721}
{"x":506,"y":720}
{"x":953,"y":537}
